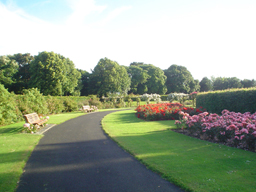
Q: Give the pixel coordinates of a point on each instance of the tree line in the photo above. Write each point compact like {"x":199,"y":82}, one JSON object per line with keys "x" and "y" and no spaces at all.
{"x":55,"y":75}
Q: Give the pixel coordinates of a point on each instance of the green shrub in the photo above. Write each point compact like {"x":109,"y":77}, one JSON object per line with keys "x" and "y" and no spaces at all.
{"x":69,"y":104}
{"x":9,"y":113}
{"x":32,"y":101}
{"x":95,"y":102}
{"x":54,"y":105}
{"x":237,"y":100}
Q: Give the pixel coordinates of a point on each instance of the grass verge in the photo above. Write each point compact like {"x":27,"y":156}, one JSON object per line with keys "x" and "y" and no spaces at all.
{"x":16,"y":147}
{"x":193,"y":164}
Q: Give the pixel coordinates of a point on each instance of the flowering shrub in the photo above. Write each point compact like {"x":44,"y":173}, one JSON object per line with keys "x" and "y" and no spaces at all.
{"x":149,"y":97}
{"x":163,"y":111}
{"x":181,"y":97}
{"x":234,"y":129}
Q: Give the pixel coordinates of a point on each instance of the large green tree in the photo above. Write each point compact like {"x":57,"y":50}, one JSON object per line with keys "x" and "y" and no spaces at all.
{"x":139,"y":77}
{"x":180,"y":80}
{"x":8,"y":68}
{"x":157,"y":79}
{"x":109,"y":77}
{"x":205,"y":84}
{"x":22,"y":76}
{"x":53,"y":74}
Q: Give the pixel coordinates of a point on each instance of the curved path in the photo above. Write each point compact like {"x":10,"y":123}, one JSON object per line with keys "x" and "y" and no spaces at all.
{"x":78,"y":156}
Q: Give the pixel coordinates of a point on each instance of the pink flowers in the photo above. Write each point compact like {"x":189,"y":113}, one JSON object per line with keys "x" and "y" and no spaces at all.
{"x":26,"y":125}
{"x":229,"y":127}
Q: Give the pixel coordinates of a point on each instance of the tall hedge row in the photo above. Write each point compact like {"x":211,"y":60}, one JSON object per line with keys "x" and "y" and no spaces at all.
{"x":237,"y":100}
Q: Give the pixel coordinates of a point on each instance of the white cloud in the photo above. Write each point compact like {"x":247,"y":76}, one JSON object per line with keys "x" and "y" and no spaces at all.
{"x":114,"y":14}
{"x":81,"y":9}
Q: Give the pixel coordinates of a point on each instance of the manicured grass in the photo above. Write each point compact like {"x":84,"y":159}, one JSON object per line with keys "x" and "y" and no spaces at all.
{"x":16,"y":147}
{"x":191,"y":163}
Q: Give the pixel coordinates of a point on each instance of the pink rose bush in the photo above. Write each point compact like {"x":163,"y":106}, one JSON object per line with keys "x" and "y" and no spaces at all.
{"x":234,"y":129}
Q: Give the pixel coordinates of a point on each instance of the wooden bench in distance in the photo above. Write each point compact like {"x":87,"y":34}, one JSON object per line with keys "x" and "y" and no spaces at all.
{"x":33,"y":118}
{"x":87,"y":108}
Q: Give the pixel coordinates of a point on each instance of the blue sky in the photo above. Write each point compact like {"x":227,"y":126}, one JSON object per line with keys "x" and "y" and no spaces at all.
{"x":210,"y":38}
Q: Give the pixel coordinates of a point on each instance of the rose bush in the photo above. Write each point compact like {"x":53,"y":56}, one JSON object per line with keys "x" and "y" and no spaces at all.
{"x":163,"y":111}
{"x":233,"y":129}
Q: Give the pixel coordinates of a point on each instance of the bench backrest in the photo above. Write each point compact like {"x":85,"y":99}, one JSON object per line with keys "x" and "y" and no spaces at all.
{"x":32,"y":117}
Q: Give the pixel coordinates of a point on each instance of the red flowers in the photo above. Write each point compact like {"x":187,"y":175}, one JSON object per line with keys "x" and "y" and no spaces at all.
{"x":163,"y":111}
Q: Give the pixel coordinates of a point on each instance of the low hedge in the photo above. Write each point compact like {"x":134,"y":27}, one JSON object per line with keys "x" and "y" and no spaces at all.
{"x":237,"y":100}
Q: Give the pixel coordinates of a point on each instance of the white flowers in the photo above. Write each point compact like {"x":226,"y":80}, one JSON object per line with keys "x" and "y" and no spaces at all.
{"x":149,"y":97}
{"x":177,"y":96}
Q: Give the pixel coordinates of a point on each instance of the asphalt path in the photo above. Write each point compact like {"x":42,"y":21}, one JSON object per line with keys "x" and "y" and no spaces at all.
{"x":78,"y":156}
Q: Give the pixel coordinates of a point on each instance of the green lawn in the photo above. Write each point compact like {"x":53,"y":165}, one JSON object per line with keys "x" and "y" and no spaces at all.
{"x":191,"y":163}
{"x":16,"y":147}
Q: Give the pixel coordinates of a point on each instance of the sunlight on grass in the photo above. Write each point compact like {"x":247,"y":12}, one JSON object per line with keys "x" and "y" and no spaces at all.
{"x":189,"y":162}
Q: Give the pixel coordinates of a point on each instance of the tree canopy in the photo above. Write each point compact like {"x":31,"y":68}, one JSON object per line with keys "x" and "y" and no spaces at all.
{"x":180,"y":80}
{"x":8,"y":68}
{"x":109,"y":77}
{"x":53,"y":74}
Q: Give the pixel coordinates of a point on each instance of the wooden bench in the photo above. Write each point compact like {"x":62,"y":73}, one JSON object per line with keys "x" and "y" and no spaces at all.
{"x":33,"y":118}
{"x":87,"y":108}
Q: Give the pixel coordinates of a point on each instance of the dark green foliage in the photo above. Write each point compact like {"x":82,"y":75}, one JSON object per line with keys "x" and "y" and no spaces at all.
{"x":138,"y":79}
{"x":22,"y":76}
{"x":222,"y":83}
{"x":248,"y":83}
{"x":8,"y":68}
{"x":237,"y":100}
{"x":54,"y":105}
{"x":205,"y":85}
{"x":109,"y":77}
{"x":70,"y":104}
{"x":53,"y":74}
{"x":9,"y":113}
{"x":156,"y":81}
{"x":83,"y":83}
{"x":180,"y":80}
{"x":32,"y":101}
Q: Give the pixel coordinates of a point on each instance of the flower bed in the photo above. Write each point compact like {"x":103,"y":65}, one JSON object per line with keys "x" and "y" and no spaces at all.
{"x":233,"y":129}
{"x":164,"y":111}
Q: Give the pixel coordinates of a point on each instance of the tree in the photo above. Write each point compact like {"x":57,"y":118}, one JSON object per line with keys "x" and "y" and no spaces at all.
{"x":221,"y":83}
{"x":248,"y":83}
{"x":179,"y":80}
{"x":157,"y":79}
{"x":8,"y":68}
{"x":205,"y":84}
{"x":72,"y":75}
{"x":109,"y":77}
{"x":83,"y":82}
{"x":53,"y":74}
{"x":138,"y":79}
{"x":22,"y":76}
{"x":234,"y":82}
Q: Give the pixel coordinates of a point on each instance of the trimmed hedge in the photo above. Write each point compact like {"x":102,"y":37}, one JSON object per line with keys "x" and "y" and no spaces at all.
{"x":237,"y":100}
